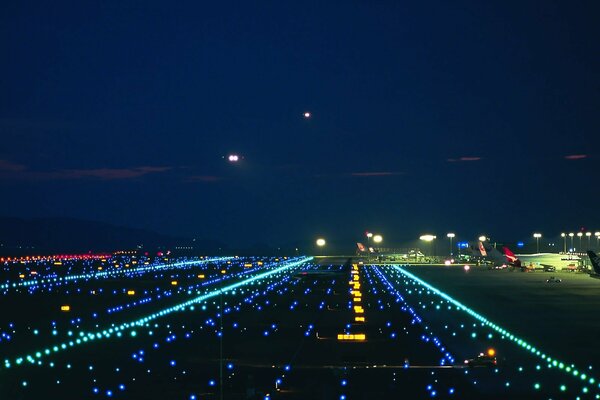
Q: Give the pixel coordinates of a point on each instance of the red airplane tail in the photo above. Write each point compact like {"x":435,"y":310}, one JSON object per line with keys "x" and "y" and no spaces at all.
{"x":510,"y":255}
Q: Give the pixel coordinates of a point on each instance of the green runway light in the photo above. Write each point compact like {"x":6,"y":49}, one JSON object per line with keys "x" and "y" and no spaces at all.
{"x":483,"y":320}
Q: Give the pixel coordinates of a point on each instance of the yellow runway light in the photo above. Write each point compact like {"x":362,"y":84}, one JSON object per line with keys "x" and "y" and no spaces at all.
{"x":352,"y":337}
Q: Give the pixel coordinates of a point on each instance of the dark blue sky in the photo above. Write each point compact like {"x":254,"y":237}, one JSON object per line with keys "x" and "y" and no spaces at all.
{"x":464,"y":116}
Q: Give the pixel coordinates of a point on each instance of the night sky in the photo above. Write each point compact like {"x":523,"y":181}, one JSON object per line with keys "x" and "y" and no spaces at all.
{"x":473,"y":117}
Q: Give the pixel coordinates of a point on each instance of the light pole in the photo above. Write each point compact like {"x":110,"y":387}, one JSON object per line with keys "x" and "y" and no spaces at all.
{"x":430,"y":239}
{"x":369,"y":236}
{"x":223,"y":272}
{"x":564,"y":236}
{"x":451,"y":236}
{"x":537,"y":237}
{"x":571,"y":234}
{"x":589,"y":236}
{"x":579,"y":235}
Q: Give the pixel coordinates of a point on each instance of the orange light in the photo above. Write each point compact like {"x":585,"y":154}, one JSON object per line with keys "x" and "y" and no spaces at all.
{"x":491,"y":352}
{"x":130,"y":292}
{"x":359,"y":319}
{"x":201,"y":276}
{"x":174,"y":283}
{"x":65,"y":308}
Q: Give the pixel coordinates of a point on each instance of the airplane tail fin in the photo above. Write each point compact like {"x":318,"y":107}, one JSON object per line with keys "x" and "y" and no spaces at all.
{"x":510,"y":255}
{"x":595,"y":261}
{"x":482,"y":249}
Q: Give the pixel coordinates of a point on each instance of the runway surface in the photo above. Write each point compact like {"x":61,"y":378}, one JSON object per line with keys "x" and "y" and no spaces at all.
{"x":291,"y":328}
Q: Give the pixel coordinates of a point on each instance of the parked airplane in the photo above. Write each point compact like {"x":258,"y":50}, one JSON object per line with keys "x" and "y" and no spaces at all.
{"x":595,"y":264}
{"x":497,"y":259}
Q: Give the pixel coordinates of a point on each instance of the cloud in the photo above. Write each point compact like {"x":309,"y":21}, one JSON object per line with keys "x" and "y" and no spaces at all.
{"x":463,"y":159}
{"x":575,"y":156}
{"x":204,"y":178}
{"x":381,"y":173}
{"x":10,"y":170}
{"x":109,"y":173}
{"x":8,"y":166}
{"x":365,"y":174}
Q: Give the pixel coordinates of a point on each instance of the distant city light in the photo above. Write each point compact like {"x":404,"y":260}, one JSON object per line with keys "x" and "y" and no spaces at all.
{"x":233,"y":158}
{"x":307,"y":114}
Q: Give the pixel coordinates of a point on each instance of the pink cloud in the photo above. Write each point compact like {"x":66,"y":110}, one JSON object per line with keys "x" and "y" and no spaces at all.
{"x":109,"y":173}
{"x":16,"y":171}
{"x":9,"y":166}
{"x":575,"y":156}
